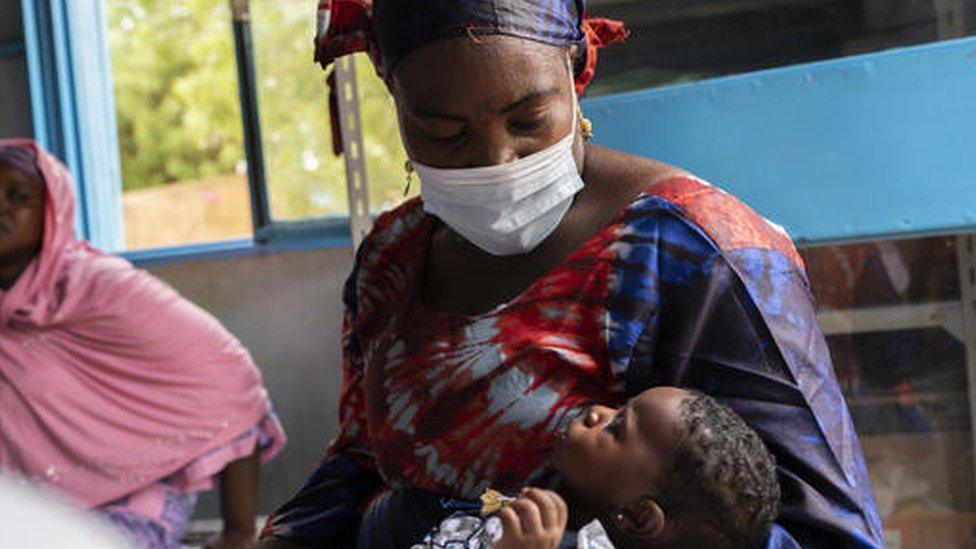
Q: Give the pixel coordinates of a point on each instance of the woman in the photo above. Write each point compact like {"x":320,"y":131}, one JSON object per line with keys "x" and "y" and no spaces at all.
{"x":539,"y":272}
{"x":115,"y":390}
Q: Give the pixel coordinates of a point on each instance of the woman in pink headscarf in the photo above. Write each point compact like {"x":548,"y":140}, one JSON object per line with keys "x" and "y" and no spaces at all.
{"x":113,"y":388}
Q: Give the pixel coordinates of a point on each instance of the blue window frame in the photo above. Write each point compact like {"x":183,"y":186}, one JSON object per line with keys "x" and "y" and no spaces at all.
{"x":74,"y":116}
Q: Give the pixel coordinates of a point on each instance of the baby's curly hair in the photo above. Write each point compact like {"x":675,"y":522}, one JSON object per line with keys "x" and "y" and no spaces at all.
{"x":722,"y":491}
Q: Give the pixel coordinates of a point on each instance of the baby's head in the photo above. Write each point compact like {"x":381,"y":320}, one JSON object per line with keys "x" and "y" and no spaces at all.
{"x":672,"y":468}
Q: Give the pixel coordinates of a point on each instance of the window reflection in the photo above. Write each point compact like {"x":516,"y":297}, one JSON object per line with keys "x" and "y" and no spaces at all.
{"x":682,"y":40}
{"x":894,"y":321}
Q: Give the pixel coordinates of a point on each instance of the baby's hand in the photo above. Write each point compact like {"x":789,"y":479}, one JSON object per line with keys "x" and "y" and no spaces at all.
{"x":536,"y":520}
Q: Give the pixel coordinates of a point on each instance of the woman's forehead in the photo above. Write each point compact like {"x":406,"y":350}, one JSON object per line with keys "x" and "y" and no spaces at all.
{"x":15,"y":174}
{"x":20,"y":158}
{"x":496,"y":68}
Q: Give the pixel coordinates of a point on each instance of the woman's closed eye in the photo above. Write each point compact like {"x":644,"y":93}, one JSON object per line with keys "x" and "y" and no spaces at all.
{"x":530,"y":124}
{"x":16,"y":196}
{"x":441,"y":131}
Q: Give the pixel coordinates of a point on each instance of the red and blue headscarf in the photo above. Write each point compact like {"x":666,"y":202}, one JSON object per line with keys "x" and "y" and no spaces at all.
{"x":389,"y":30}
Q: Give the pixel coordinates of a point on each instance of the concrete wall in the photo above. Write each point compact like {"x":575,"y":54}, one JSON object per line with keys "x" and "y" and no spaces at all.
{"x":286,"y":308}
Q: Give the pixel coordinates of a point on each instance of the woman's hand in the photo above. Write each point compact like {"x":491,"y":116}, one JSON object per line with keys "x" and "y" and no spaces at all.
{"x":233,"y":539}
{"x":536,"y":520}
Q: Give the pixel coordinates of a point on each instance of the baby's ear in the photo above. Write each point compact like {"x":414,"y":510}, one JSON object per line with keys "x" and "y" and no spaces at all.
{"x":642,"y":520}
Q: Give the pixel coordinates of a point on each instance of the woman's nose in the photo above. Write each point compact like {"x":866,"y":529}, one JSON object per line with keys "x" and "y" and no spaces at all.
{"x":493,"y":149}
{"x":596,"y":416}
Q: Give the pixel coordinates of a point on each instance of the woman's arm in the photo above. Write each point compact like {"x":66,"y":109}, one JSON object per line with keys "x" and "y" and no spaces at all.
{"x":328,"y":509}
{"x":238,"y":503}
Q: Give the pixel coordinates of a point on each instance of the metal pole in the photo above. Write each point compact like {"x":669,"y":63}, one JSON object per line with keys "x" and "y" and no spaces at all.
{"x":966,"y":254}
{"x":360,"y":221}
{"x":247,"y":86}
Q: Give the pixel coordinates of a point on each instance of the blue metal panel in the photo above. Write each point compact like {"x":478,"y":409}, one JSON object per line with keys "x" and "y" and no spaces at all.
{"x":34,"y":49}
{"x":873,"y":145}
{"x":59,"y":88}
{"x":46,"y":38}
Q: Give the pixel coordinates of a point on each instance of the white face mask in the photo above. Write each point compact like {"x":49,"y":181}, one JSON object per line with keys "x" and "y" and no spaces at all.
{"x":510,"y":208}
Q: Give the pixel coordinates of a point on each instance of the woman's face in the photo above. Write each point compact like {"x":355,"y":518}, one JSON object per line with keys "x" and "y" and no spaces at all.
{"x":467,"y":102}
{"x":21,"y":214}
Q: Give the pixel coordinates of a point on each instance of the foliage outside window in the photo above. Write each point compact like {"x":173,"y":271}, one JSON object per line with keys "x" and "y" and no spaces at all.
{"x":184,"y":169}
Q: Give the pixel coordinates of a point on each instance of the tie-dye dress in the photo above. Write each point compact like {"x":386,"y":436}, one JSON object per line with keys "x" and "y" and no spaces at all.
{"x":685,"y":287}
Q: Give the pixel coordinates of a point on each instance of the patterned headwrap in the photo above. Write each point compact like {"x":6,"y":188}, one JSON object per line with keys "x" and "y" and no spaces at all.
{"x":395,"y":28}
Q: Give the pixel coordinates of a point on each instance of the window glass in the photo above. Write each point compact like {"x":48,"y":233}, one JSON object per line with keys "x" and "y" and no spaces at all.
{"x":676,"y":41}
{"x":305,"y":179}
{"x":894,"y":323}
{"x":179,"y":122}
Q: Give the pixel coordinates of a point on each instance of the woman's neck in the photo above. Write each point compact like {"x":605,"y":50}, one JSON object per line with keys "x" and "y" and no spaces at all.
{"x":11,"y":269}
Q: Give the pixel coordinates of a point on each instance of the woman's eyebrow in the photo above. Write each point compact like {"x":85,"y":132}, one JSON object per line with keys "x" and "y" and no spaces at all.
{"x":431,"y":113}
{"x":531,"y":96}
{"x":424,"y":112}
{"x":22,"y":182}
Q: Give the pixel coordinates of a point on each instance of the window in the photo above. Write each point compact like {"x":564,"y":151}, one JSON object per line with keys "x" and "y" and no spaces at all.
{"x":899,"y":322}
{"x":179,"y":122}
{"x":675,"y":41}
{"x":182,"y":146}
{"x":305,"y":180}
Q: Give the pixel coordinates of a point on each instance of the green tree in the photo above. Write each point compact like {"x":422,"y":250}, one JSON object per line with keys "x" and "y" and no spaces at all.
{"x":179,"y":114}
{"x":175,"y":90}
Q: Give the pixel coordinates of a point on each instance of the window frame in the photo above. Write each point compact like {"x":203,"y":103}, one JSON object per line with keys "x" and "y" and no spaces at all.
{"x":73,"y":113}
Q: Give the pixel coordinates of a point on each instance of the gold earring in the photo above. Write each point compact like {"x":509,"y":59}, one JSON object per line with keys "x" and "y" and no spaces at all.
{"x":586,"y":127}
{"x":408,"y":167}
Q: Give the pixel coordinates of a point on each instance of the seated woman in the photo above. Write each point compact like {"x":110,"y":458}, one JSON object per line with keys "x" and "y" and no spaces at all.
{"x":115,"y":390}
{"x":539,"y":272}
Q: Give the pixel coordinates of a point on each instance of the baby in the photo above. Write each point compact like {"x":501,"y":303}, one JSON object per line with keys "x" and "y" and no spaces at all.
{"x":672,"y":468}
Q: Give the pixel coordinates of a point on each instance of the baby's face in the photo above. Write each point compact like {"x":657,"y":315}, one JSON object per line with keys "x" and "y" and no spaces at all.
{"x":610,"y":457}
{"x":21,"y":212}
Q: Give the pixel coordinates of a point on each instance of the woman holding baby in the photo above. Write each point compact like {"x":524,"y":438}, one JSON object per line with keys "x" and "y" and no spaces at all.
{"x":539,"y":273}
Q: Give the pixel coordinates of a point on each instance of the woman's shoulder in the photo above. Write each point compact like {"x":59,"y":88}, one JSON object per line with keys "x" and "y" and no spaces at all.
{"x":397,"y":229}
{"x":724,"y":219}
{"x":727,"y":221}
{"x":100,"y":281}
